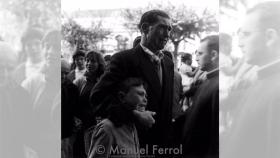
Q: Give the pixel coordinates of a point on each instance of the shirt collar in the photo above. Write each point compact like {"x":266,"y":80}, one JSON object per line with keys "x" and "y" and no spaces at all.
{"x":212,"y":73}
{"x":269,"y":69}
{"x":80,"y":71}
{"x":152,"y":55}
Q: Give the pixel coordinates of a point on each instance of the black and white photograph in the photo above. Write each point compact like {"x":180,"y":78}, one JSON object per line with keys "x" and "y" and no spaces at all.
{"x":139,"y":79}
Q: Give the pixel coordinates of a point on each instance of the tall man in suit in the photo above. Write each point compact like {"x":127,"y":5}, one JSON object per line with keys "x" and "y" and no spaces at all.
{"x":201,"y":129}
{"x":145,"y":61}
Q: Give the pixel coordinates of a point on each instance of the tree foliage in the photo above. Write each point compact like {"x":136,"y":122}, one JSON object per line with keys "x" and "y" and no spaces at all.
{"x":83,"y":38}
{"x":44,"y":14}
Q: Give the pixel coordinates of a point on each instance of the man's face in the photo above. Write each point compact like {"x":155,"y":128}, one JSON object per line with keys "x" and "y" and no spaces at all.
{"x":203,"y":57}
{"x":251,"y":39}
{"x":158,"y":34}
{"x":80,"y":62}
{"x":136,"y":96}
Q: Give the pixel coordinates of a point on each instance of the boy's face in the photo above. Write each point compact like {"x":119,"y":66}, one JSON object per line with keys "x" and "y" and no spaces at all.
{"x":33,"y":47}
{"x":136,"y":96}
{"x":80,"y":62}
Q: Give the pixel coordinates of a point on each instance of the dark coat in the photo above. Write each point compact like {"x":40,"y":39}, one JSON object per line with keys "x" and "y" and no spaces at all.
{"x":69,"y":105}
{"x":201,"y":129}
{"x":136,"y":63}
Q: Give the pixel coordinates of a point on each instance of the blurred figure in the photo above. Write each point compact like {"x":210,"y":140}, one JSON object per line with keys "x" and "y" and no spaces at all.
{"x":118,"y":131}
{"x":45,"y":90}
{"x":199,"y":76}
{"x":255,"y":129}
{"x":79,"y":66}
{"x":31,"y":55}
{"x":186,"y":70}
{"x":15,"y":109}
{"x":201,"y":129}
{"x":69,"y":106}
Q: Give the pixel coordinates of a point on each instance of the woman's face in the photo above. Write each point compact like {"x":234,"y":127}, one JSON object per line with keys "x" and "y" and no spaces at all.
{"x":91,"y":65}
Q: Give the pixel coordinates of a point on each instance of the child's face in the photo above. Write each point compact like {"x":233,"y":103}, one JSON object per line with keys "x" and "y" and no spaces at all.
{"x":136,"y":96}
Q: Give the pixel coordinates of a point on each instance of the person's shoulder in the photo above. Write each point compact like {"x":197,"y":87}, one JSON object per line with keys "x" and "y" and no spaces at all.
{"x":105,"y":126}
{"x":125,"y":53}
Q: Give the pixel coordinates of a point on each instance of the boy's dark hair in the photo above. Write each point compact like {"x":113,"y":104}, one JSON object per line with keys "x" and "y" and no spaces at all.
{"x":151,"y":17}
{"x":78,"y":53}
{"x":127,"y":84}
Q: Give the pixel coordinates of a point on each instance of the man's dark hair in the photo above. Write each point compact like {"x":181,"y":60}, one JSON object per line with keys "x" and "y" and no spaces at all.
{"x":151,"y":17}
{"x":269,"y":13}
{"x":78,"y":53}
{"x":212,"y":42}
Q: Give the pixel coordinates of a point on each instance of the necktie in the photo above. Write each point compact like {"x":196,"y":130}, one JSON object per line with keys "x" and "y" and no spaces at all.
{"x":158,"y":69}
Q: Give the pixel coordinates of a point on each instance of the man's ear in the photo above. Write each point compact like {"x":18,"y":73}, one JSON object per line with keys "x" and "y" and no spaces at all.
{"x":145,"y":28}
{"x":121,"y":96}
{"x":271,"y":37}
{"x":214,"y":55}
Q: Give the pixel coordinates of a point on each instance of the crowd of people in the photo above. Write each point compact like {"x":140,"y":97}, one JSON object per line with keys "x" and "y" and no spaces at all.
{"x":136,"y":103}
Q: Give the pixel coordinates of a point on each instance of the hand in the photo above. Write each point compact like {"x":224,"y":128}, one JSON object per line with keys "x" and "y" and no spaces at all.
{"x":145,"y":117}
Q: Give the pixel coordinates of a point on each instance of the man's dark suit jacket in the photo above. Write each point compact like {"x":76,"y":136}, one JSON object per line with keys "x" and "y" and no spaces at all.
{"x":201,"y":129}
{"x":136,"y":63}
